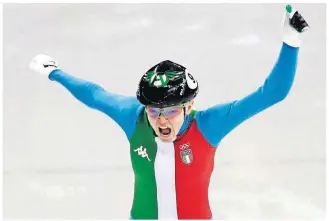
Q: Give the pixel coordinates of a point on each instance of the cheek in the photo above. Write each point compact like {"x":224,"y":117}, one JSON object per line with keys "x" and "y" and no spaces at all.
{"x":178,"y":122}
{"x":152,"y":122}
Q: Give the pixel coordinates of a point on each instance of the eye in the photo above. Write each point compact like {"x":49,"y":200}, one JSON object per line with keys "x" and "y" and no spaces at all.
{"x":153,"y":111}
{"x":173,"y":111}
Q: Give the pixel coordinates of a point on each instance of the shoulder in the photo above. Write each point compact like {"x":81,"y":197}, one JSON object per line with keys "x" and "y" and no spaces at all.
{"x":210,"y":122}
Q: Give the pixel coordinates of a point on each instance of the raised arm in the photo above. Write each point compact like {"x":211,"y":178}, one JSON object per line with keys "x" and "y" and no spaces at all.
{"x":217,"y":121}
{"x":123,"y":110}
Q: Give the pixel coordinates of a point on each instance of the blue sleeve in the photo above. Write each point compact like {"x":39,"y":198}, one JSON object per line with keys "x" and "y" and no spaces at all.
{"x":217,"y":121}
{"x":123,"y":110}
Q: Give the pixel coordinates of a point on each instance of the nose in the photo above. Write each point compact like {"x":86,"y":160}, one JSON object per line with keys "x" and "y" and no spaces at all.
{"x":162,"y":119}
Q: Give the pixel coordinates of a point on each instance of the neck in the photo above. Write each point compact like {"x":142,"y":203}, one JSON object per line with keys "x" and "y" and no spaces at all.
{"x":186,"y":124}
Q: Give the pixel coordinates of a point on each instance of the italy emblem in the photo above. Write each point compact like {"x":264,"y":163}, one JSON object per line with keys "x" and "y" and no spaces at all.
{"x":187,"y":156}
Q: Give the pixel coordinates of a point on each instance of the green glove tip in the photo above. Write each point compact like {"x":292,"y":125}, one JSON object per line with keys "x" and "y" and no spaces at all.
{"x":289,"y":8}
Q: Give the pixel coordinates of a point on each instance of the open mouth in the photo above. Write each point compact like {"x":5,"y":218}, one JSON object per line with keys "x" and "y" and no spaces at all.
{"x":165,"y":131}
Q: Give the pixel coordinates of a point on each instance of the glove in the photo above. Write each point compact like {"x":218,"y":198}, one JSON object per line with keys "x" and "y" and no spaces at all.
{"x":43,"y":64}
{"x":294,"y":26}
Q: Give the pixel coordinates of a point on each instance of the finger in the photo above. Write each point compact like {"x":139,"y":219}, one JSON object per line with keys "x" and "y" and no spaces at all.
{"x":287,"y":15}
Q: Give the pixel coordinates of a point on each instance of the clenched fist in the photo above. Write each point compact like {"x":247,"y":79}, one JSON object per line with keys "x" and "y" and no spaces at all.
{"x":294,"y":26}
{"x":43,"y":64}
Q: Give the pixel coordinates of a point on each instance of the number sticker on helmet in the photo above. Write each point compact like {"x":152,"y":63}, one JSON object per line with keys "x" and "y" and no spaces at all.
{"x":191,"y":82}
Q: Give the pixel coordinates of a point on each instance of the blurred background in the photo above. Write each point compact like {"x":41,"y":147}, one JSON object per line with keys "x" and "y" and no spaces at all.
{"x":63,"y":160}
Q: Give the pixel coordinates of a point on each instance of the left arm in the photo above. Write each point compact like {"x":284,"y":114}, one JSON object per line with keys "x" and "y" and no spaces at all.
{"x":216,"y":122}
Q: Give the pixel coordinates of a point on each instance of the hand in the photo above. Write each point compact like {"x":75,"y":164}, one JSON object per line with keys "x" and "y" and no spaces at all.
{"x":294,"y":26}
{"x":43,"y":64}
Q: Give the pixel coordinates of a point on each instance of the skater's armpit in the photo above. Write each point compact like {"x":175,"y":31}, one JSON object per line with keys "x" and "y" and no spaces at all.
{"x":124,"y":110}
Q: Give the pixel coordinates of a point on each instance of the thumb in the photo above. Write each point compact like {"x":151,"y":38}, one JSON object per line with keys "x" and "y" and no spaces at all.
{"x":289,"y":12}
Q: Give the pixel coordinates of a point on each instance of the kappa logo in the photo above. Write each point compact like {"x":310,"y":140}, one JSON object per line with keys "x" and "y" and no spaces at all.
{"x":142,"y":152}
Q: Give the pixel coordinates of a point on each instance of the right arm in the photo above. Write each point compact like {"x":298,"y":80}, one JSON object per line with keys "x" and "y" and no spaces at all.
{"x":123,"y":110}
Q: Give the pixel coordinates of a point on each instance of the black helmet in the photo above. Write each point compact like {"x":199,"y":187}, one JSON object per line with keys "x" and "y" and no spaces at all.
{"x":166,"y":84}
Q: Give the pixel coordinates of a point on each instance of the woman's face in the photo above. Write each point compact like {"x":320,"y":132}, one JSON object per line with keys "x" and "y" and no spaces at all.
{"x":167,"y":122}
